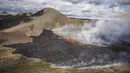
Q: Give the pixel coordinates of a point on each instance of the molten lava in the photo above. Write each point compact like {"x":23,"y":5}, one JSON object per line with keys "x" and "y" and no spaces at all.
{"x":73,"y":41}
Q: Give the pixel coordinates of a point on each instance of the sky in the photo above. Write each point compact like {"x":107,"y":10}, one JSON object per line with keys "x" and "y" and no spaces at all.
{"x":71,"y":7}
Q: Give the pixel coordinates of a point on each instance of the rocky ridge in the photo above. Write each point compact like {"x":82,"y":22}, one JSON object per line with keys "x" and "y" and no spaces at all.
{"x":20,"y":28}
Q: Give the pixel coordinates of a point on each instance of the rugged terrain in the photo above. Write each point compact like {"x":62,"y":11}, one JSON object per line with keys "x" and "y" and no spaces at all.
{"x":27,"y":45}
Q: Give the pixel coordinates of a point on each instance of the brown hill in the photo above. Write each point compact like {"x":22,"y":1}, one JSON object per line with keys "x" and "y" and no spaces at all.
{"x":18,"y":31}
{"x":47,"y":18}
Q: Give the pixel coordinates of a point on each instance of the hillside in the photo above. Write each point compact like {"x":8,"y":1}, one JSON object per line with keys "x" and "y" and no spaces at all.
{"x":28,"y":45}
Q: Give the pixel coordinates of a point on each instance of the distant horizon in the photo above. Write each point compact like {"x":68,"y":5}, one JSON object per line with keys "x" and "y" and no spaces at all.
{"x":64,"y":6}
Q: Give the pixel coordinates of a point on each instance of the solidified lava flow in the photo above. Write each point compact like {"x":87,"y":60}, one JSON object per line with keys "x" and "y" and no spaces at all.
{"x":60,"y":52}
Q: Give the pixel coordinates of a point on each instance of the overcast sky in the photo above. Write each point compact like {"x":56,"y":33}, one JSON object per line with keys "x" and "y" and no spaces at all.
{"x":33,"y":5}
{"x":82,"y":8}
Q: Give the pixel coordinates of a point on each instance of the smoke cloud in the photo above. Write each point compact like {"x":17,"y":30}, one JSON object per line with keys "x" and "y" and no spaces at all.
{"x":105,"y":32}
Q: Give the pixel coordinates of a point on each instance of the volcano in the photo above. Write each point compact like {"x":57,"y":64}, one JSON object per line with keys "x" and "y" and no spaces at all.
{"x":35,"y":38}
{"x":62,"y":53}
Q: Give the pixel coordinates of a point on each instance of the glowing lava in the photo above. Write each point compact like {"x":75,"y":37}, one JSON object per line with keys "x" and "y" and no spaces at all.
{"x":72,"y":41}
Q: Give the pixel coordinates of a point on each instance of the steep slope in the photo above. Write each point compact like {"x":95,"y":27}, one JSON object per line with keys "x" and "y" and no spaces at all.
{"x":22,"y":26}
{"x":47,"y":18}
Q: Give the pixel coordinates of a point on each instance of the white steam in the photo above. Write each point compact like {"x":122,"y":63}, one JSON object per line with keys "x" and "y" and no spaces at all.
{"x":105,"y":32}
